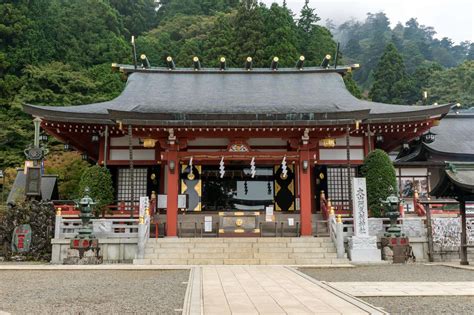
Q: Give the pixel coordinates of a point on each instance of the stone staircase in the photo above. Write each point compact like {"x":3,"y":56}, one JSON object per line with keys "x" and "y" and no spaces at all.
{"x":241,"y":251}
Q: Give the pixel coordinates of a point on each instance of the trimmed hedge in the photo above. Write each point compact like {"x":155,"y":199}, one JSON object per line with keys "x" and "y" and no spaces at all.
{"x":381,"y":180}
{"x":99,"y":181}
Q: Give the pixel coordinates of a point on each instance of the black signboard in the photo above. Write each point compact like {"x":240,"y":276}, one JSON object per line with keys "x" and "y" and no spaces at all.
{"x":33,"y":181}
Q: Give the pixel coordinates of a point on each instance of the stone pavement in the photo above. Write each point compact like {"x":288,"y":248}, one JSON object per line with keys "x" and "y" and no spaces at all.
{"x":265,"y":290}
{"x":405,"y":288}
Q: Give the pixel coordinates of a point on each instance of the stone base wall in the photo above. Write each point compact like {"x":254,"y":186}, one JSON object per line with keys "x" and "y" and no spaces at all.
{"x":113,"y":250}
{"x":420,"y":250}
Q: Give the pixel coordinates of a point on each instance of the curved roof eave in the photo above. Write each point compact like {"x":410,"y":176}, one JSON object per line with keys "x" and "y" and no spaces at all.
{"x":227,"y":94}
{"x":45,"y":112}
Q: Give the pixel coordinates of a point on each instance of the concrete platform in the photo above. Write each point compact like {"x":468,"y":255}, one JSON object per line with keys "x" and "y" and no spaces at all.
{"x":361,"y":289}
{"x":265,"y":290}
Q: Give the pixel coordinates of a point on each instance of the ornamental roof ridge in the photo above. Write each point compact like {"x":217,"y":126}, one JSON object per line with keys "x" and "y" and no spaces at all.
{"x":126,"y":68}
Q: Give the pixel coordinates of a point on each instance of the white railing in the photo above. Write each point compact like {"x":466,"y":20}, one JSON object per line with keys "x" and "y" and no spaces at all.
{"x":143,"y":234}
{"x":336,"y":234}
{"x":67,"y":228}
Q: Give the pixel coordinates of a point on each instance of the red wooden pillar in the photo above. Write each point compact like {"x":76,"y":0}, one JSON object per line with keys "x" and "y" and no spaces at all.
{"x":305,"y":193}
{"x":172,"y":194}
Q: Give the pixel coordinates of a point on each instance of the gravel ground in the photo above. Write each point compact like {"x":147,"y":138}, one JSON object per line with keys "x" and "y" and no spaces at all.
{"x":418,"y":305}
{"x":411,"y":272}
{"x":92,"y":292}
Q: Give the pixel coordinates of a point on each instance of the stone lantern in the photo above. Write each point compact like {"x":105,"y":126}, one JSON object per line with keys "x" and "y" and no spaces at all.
{"x":395,"y":245}
{"x":85,"y":240}
{"x":392,"y":211}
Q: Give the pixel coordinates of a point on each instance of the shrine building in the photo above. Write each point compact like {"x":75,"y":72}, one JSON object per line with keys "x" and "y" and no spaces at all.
{"x":267,"y":143}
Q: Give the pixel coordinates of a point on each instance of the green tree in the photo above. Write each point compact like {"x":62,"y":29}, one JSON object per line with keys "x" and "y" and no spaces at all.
{"x":168,"y":9}
{"x":16,"y":132}
{"x":389,"y":77}
{"x":315,"y":41}
{"x":455,"y":85}
{"x":351,"y":85}
{"x":99,"y":182}
{"x":69,"y":167}
{"x":220,"y":42}
{"x":60,"y":84}
{"x":250,"y":33}
{"x":138,"y":15}
{"x":281,"y":36}
{"x":381,"y":180}
{"x":308,"y":18}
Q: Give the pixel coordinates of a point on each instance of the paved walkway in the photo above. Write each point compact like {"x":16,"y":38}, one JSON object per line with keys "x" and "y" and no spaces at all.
{"x":266,"y":290}
{"x":405,"y":288}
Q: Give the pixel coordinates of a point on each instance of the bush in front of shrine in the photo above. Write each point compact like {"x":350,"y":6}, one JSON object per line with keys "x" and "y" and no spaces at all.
{"x":101,"y":189}
{"x":381,"y":180}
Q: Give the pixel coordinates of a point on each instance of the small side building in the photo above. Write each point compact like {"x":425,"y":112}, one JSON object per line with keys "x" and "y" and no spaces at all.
{"x":421,"y":161}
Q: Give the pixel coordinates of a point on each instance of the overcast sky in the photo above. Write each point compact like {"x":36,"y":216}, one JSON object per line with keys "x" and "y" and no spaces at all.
{"x":450,"y":18}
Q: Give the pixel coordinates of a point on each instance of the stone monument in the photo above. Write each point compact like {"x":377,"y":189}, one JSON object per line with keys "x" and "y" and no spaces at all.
{"x":362,"y":246}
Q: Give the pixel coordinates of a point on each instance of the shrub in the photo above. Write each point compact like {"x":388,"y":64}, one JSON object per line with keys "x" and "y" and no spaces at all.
{"x":69,"y":167}
{"x":381,"y":180}
{"x":99,"y":181}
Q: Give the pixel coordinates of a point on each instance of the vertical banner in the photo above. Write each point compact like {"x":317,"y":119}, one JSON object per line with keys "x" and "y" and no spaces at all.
{"x":191,"y":185}
{"x":284,"y":188}
{"x":359,"y":206}
{"x":144,"y":203}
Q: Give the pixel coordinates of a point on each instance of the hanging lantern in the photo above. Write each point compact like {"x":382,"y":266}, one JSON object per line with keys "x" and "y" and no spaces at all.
{"x":149,"y":143}
{"x":95,"y":138}
{"x":67,"y":147}
{"x":43,"y":137}
{"x":329,"y":142}
{"x":379,"y":138}
{"x":85,"y":156}
{"x":429,"y":137}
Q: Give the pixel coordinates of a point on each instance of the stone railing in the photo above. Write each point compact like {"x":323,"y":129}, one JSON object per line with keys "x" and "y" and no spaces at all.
{"x":412,"y":227}
{"x":66,"y":228}
{"x":336,"y":233}
{"x":143,"y":234}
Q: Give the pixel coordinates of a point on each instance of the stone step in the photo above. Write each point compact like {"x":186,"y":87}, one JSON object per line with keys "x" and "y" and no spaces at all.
{"x":240,"y":240}
{"x":241,"y":246}
{"x":248,"y":261}
{"x":277,"y":261}
{"x":238,"y":255}
{"x":241,"y":251}
{"x":312,"y":255}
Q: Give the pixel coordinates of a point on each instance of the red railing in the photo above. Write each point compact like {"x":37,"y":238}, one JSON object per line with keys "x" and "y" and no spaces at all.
{"x":323,"y":205}
{"x":122,"y":208}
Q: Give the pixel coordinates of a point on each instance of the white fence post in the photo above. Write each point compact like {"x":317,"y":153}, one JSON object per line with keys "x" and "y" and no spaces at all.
{"x":58,"y":223}
{"x":340,"y":238}
{"x":141,"y":237}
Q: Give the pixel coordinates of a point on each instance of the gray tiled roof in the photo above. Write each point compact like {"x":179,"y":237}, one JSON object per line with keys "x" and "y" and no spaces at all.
{"x":456,"y":180}
{"x":17,"y":192}
{"x":455,"y":134}
{"x":234,"y":93}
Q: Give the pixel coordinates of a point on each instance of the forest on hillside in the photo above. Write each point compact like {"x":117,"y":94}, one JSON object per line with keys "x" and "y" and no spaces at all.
{"x":58,"y":52}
